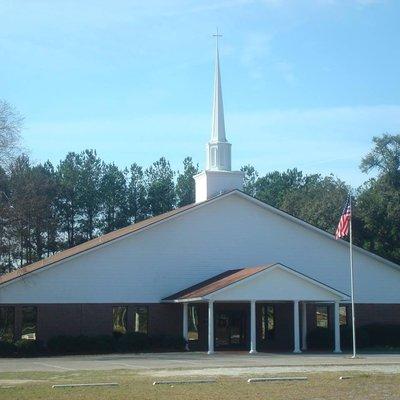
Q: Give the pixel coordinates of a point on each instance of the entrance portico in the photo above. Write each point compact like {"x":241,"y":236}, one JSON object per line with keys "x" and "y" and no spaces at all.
{"x":259,"y":309}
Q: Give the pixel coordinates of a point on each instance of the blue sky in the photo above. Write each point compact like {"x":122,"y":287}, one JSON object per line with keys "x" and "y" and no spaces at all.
{"x":306,"y":83}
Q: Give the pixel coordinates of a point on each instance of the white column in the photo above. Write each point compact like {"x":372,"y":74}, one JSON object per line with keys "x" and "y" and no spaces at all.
{"x":304,"y":326}
{"x":185,"y":325}
{"x":337,"y":329}
{"x":296,"y":327}
{"x":253,"y":328}
{"x":210,"y":327}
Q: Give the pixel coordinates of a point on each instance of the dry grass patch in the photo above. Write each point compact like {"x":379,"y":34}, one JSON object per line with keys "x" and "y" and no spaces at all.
{"x":131,"y":386}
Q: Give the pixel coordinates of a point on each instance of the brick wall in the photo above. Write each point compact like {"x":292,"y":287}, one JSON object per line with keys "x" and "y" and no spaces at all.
{"x":96,"y":319}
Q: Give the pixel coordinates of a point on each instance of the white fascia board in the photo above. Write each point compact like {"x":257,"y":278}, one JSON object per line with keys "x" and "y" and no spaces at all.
{"x":336,"y":293}
{"x":190,"y":300}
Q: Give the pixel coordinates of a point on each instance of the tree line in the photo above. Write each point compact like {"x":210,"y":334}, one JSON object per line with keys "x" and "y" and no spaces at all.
{"x":319,"y":199}
{"x":46,"y":208}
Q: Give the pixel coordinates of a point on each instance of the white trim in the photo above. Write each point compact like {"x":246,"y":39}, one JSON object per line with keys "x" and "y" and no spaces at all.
{"x":337,"y":293}
{"x":337,"y":348}
{"x":253,"y":328}
{"x":296,"y":327}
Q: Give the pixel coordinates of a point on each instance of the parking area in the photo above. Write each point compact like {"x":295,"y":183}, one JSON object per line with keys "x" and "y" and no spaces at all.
{"x":180,"y":364}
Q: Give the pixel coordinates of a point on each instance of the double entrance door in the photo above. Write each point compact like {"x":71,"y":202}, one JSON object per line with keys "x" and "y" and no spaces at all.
{"x":230,"y":329}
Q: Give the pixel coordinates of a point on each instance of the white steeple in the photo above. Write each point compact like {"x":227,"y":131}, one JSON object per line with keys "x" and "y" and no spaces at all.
{"x":218,"y":121}
{"x":218,"y":149}
{"x":217,"y":177}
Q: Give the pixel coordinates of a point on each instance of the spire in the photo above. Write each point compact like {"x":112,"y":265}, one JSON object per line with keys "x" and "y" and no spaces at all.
{"x":218,"y":149}
{"x":218,"y":176}
{"x":218,"y":123}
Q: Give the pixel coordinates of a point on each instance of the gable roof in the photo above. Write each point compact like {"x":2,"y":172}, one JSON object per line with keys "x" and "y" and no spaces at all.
{"x":91,"y":244}
{"x":215,"y":283}
{"x":235,"y":276}
{"x":130,"y":229}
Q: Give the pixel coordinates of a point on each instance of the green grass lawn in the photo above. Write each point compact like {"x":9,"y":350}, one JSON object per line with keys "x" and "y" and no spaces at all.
{"x":132,"y":386}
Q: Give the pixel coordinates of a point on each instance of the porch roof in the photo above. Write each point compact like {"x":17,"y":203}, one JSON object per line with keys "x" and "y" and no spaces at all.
{"x":251,"y":283}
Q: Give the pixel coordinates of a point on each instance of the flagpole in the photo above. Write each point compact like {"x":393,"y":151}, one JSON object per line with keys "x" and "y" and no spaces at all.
{"x":353,"y":319}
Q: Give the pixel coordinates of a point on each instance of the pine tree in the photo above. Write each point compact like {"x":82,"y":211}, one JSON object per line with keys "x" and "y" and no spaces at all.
{"x":89,"y":198}
{"x":68,"y":197}
{"x":114,"y":202}
{"x":160,"y":188}
{"x":137,"y":194}
{"x":185,"y":185}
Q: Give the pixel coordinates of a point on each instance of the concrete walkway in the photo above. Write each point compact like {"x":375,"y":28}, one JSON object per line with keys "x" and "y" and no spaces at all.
{"x":179,"y":364}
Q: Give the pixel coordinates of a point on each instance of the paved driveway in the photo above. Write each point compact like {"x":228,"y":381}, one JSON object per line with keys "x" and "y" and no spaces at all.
{"x":178,"y":364}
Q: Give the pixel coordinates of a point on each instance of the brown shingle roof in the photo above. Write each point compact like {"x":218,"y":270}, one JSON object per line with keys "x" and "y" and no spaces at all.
{"x":216,"y":283}
{"x":91,"y":244}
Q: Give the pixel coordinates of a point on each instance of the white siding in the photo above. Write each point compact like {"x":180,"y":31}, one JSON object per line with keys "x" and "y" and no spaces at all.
{"x":275,"y":284}
{"x":229,"y":233}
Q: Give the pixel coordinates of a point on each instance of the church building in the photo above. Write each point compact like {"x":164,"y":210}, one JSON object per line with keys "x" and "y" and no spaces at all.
{"x":227,"y":272}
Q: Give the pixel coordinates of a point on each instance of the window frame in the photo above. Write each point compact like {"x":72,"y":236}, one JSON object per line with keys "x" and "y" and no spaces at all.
{"x":35,"y":333}
{"x":10,"y":323}
{"x":346,"y":315}
{"x":266,"y":333}
{"x":125,"y":319}
{"x":317,"y":320}
{"x":195,"y":307}
{"x":135,"y":308}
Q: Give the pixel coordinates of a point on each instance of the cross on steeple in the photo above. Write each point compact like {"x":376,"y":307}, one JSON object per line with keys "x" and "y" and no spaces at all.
{"x":217,"y":35}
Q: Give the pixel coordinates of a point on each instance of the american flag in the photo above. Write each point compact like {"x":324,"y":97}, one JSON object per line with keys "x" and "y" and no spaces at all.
{"x":344,"y":223}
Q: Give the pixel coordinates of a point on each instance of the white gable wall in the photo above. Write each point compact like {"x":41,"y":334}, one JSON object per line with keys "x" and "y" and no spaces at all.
{"x":277,"y":284}
{"x":231,"y":232}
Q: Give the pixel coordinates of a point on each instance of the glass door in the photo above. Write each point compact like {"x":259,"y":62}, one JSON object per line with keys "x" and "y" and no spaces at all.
{"x":230,"y":328}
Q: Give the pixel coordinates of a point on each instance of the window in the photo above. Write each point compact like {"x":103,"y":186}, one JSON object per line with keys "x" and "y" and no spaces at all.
{"x":343,"y":316}
{"x":7,"y":318}
{"x":268,"y":322}
{"x":29,"y":323}
{"x":119,"y":319}
{"x":193,"y":324}
{"x":322,"y":316}
{"x":140,"y":320}
{"x":213,"y":157}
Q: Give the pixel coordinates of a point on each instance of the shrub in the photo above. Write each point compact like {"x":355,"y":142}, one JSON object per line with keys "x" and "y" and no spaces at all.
{"x":103,"y":344}
{"x":346,"y":335}
{"x":7,"y":348}
{"x":141,"y":342}
{"x":133,"y":342}
{"x":64,"y":344}
{"x":382,"y":335}
{"x":26,"y":347}
{"x":320,"y":339}
{"x":167,"y":342}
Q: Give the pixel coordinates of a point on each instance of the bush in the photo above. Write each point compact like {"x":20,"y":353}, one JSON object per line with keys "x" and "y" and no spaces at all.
{"x":382,"y":335}
{"x":133,"y":342}
{"x":167,"y":342}
{"x":367,"y":336}
{"x":26,"y":347}
{"x":320,"y":339}
{"x":7,"y":348}
{"x":81,"y":344}
{"x":373,"y":335}
{"x":141,"y":342}
{"x":346,"y":335}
